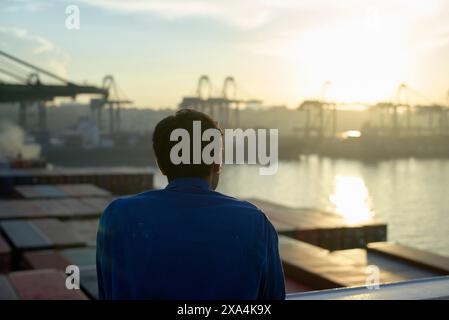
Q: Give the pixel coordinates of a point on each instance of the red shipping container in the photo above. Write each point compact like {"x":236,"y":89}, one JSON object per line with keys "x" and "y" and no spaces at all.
{"x":47,"y":259}
{"x":5,"y":256}
{"x":44,"y":284}
{"x":57,"y":232}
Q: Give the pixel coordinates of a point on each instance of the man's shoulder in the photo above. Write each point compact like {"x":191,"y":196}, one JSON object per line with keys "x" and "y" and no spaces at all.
{"x":225,"y":202}
{"x":125,"y":201}
{"x":238,"y":202}
{"x":241,"y":205}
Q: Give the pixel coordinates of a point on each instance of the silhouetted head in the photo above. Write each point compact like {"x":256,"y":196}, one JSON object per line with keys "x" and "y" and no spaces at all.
{"x":184,"y":119}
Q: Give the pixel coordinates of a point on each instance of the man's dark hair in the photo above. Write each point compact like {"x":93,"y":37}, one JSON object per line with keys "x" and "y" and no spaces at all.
{"x":162,"y":145}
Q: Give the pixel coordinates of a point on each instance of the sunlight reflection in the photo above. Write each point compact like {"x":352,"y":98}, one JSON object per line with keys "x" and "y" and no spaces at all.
{"x":351,"y":199}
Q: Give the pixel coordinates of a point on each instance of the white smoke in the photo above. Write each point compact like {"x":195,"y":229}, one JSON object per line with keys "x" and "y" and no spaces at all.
{"x":13,"y":144}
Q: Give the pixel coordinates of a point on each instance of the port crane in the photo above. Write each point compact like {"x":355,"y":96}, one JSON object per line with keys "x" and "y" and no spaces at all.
{"x":392,"y":118}
{"x":220,"y":106}
{"x":112,"y":101}
{"x":26,"y":88}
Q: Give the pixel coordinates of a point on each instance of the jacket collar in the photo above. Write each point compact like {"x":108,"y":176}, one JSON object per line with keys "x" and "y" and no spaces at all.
{"x":188,"y":183}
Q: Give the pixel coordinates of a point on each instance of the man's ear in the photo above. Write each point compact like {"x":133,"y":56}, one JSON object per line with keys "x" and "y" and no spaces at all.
{"x":160,"y":168}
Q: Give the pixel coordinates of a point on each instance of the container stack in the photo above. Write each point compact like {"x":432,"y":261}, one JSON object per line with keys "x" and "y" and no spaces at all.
{"x":44,"y":228}
{"x":117,"y":180}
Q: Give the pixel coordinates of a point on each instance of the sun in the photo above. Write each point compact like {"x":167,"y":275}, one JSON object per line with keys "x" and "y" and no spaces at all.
{"x":365,"y":62}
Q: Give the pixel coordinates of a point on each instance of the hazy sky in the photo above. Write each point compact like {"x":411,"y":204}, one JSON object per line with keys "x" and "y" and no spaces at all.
{"x":280,"y":51}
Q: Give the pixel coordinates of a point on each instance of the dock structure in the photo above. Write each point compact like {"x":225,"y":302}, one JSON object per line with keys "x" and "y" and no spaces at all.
{"x":321,"y":228}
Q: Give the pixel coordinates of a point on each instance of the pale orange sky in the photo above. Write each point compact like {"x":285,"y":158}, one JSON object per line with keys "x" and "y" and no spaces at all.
{"x":278,"y":51}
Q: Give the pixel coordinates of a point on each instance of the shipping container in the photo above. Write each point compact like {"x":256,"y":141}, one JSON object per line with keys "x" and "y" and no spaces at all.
{"x":81,"y":257}
{"x":85,"y":229}
{"x":58,"y":233}
{"x":89,"y":281}
{"x":39,"y":191}
{"x":44,"y":284}
{"x":46,"y":259}
{"x":7,"y":291}
{"x":5,"y":256}
{"x":24,"y":235}
{"x":82,"y":190}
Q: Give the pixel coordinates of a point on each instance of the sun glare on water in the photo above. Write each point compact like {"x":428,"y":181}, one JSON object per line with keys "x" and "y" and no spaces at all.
{"x":351,"y":199}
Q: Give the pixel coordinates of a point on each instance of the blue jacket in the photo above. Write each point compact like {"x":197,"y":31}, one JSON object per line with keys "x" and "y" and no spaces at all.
{"x":187,"y":242}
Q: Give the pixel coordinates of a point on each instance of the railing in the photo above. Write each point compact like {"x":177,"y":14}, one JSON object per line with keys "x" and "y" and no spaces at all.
{"x":421,"y":289}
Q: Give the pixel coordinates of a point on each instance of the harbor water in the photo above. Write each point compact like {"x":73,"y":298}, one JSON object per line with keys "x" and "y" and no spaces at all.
{"x":410,"y":195}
